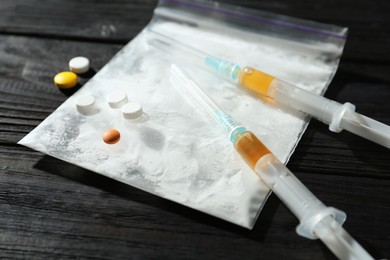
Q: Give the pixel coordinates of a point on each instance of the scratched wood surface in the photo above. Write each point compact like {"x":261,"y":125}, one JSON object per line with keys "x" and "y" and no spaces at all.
{"x":50,"y":209}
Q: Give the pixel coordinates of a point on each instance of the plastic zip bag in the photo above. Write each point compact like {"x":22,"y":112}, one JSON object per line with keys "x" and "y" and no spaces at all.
{"x":173,"y":151}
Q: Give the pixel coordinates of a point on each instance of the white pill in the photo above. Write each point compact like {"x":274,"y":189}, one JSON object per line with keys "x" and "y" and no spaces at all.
{"x":79,"y":65}
{"x":117,"y":99}
{"x":132,"y":111}
{"x":85,"y":105}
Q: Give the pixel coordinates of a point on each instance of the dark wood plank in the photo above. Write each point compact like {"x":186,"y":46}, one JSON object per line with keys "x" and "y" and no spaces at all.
{"x":119,"y":21}
{"x":56,"y":209}
{"x":51,"y":209}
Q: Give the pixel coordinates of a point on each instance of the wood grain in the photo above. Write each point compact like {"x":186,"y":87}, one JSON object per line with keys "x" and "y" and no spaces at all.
{"x":120,"y":20}
{"x":50,"y":209}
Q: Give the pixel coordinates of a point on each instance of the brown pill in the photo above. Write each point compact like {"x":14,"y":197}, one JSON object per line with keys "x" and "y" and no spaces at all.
{"x":111,"y":136}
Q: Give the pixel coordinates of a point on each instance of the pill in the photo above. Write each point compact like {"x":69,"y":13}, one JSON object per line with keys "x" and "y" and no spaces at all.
{"x":132,"y":110}
{"x":79,"y":65}
{"x":117,"y":99}
{"x":111,"y":136}
{"x":65,"y":80}
{"x":85,"y":105}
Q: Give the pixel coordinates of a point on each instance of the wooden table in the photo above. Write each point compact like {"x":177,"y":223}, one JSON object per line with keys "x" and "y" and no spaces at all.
{"x":50,"y":209}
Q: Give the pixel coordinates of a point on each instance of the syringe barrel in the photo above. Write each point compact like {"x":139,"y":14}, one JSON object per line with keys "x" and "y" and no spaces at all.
{"x":339,"y":241}
{"x":317,"y":106}
{"x":299,"y":199}
{"x":316,"y":219}
{"x":276,"y":176}
{"x":287,"y":94}
{"x":255,"y":80}
{"x":250,"y":148}
{"x":287,"y":187}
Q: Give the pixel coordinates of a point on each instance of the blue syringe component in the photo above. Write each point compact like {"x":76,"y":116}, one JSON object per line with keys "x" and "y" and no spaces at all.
{"x":224,"y":68}
{"x":232,"y":128}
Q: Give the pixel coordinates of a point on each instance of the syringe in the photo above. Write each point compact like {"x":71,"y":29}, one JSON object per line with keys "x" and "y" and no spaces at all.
{"x":316,"y":219}
{"x":337,"y":116}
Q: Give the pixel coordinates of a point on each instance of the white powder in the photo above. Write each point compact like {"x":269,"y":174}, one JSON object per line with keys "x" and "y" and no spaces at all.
{"x":175,"y":152}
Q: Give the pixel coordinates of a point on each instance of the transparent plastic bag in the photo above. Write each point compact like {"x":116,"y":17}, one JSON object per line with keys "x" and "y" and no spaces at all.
{"x":172,"y":150}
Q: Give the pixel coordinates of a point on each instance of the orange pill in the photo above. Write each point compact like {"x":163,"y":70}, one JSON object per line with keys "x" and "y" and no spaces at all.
{"x":111,"y":136}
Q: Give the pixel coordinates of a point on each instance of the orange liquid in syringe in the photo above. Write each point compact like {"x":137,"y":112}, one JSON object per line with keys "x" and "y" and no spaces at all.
{"x":255,"y":80}
{"x":250,"y":148}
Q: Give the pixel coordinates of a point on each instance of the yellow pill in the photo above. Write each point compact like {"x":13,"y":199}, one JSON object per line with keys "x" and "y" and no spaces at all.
{"x":65,"y":80}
